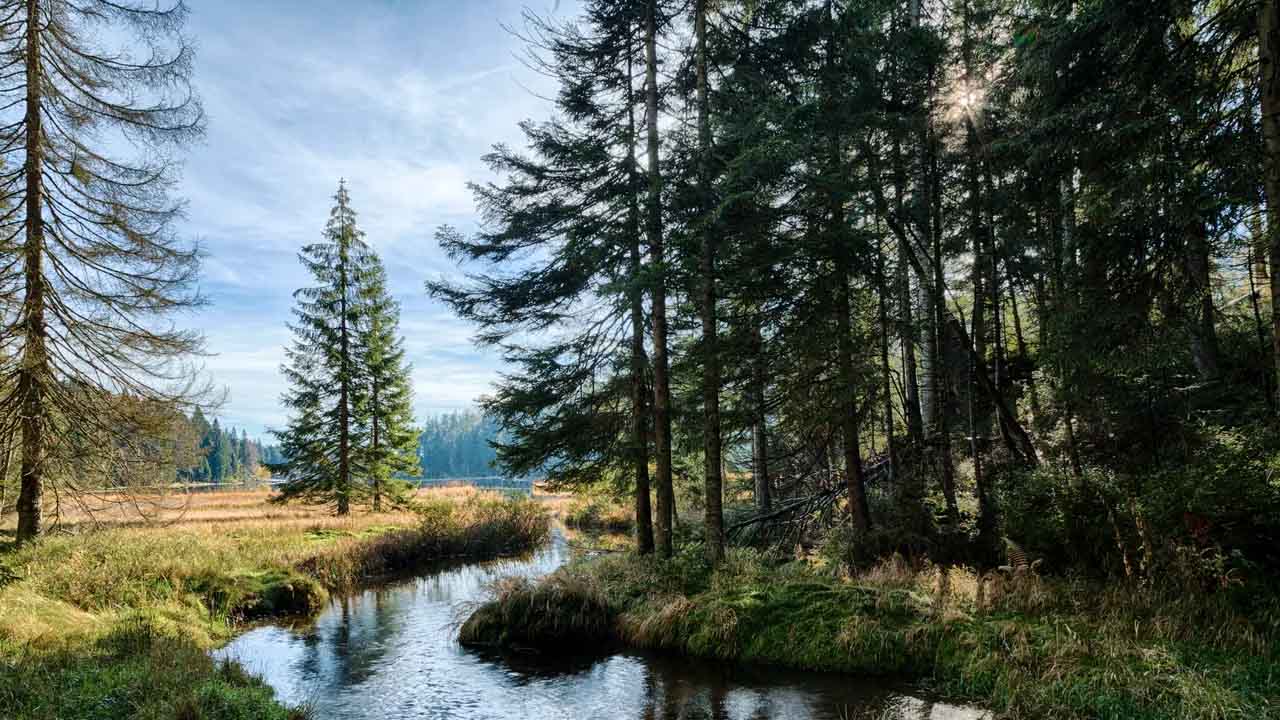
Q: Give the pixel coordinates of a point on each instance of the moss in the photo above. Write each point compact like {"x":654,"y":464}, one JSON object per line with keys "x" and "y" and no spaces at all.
{"x":138,"y":670}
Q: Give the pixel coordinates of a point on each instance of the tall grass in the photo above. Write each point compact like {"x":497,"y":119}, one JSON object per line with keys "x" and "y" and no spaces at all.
{"x":599,"y":514}
{"x":1026,"y":646}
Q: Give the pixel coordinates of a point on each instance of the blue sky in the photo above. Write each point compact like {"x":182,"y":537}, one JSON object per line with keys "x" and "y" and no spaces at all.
{"x":401,"y":98}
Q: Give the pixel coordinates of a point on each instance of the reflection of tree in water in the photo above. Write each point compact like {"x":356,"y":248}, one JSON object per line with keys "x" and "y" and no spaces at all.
{"x":674,"y":695}
{"x":347,"y":650}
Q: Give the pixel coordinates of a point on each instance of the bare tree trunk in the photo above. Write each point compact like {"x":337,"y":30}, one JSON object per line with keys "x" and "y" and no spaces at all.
{"x":940,"y":325}
{"x":713,"y":483}
{"x":1254,"y":292}
{"x":886,"y":377}
{"x":1204,"y":335}
{"x":1269,"y":60}
{"x":639,"y":361}
{"x":759,"y":424}
{"x":34,"y":372}
{"x":657,"y":259}
{"x":850,"y":441}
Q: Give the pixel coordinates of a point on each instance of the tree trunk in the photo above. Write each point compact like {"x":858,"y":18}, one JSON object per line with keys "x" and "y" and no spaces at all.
{"x":1204,"y":335}
{"x":886,"y":377}
{"x":35,"y":361}
{"x":850,"y":442}
{"x":759,"y":424}
{"x":1269,"y":50}
{"x":657,"y":258}
{"x":906,"y":335}
{"x":940,"y":325}
{"x":374,"y":441}
{"x":343,"y":491}
{"x":712,"y":481}
{"x":639,"y":406}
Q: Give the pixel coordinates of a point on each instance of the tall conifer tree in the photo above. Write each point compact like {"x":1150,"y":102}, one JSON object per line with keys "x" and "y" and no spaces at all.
{"x":392,"y":439}
{"x":92,"y":265}
{"x":328,"y":386}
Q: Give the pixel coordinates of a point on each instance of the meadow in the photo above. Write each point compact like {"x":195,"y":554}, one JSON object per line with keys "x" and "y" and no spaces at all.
{"x":113,"y":616}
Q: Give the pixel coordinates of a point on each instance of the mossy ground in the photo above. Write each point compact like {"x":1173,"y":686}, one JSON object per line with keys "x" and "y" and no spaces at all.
{"x":1024,"y":646}
{"x":116,"y":623}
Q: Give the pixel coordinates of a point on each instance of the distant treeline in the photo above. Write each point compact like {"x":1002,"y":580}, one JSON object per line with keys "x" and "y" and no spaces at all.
{"x":457,"y":445}
{"x":224,"y":454}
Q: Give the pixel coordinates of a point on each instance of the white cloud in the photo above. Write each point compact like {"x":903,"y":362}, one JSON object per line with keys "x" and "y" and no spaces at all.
{"x":402,"y":99}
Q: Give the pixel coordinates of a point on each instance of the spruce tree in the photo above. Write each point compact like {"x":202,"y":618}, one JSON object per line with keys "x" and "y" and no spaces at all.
{"x":387,"y":416}
{"x":93,"y":268}
{"x":328,"y":387}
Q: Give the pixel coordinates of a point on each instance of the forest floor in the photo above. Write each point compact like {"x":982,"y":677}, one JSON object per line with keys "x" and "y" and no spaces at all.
{"x":114,"y":618}
{"x":1023,"y":646}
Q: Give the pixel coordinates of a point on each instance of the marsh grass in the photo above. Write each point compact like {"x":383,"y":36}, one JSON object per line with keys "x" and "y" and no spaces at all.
{"x":1033,"y":648}
{"x":107,"y":623}
{"x":598,"y":514}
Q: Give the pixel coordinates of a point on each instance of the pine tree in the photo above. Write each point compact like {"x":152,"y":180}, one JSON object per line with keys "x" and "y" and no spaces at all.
{"x":387,"y":415}
{"x":328,"y":386}
{"x":577,"y":406}
{"x":93,"y":266}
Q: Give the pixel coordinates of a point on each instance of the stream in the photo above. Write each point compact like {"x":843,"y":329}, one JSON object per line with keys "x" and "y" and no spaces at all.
{"x":390,"y":652}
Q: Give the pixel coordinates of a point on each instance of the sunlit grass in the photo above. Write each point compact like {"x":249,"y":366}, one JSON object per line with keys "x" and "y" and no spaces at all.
{"x":1026,"y":646}
{"x":179,"y":586}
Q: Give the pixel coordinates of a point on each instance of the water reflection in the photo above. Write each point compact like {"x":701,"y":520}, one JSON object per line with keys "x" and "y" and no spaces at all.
{"x":390,"y":652}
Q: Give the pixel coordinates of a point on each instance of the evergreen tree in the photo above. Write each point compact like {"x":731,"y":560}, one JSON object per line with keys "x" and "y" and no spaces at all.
{"x":577,"y":406}
{"x":387,"y":415}
{"x":328,"y":385}
{"x":93,"y":266}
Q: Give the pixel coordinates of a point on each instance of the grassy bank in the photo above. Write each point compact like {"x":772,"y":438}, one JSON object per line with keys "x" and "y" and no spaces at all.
{"x":1023,"y":646}
{"x":114,"y":623}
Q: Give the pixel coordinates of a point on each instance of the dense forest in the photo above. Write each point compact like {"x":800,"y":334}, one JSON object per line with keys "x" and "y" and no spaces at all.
{"x":223,"y":454}
{"x":965,"y":276}
{"x":457,"y":445}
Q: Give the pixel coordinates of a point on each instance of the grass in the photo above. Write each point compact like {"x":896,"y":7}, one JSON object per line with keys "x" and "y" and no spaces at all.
{"x":1023,"y":646}
{"x":598,"y":514}
{"x":115,"y":622}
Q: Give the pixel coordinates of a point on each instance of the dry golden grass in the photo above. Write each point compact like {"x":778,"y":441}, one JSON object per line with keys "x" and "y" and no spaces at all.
{"x":196,"y":561}
{"x":218,"y":508}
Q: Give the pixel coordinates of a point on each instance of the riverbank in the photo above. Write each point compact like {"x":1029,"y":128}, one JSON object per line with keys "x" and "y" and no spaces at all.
{"x":1024,"y":647}
{"x":115,"y":623}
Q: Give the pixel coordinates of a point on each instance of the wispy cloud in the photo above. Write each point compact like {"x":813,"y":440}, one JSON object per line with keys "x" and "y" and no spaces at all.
{"x":400,"y":98}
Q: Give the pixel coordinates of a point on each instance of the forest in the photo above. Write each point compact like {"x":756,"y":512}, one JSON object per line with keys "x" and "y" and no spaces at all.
{"x":963,"y":277}
{"x":457,"y":445}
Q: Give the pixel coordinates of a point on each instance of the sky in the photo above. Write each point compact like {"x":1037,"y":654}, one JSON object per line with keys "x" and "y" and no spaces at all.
{"x":401,"y":98}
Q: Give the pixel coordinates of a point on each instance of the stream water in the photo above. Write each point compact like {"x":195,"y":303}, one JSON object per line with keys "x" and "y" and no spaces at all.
{"x":390,"y":652}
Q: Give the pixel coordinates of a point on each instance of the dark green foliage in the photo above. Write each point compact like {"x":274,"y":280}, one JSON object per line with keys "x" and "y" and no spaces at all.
{"x":350,"y":431}
{"x":223,"y":454}
{"x":387,"y":415}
